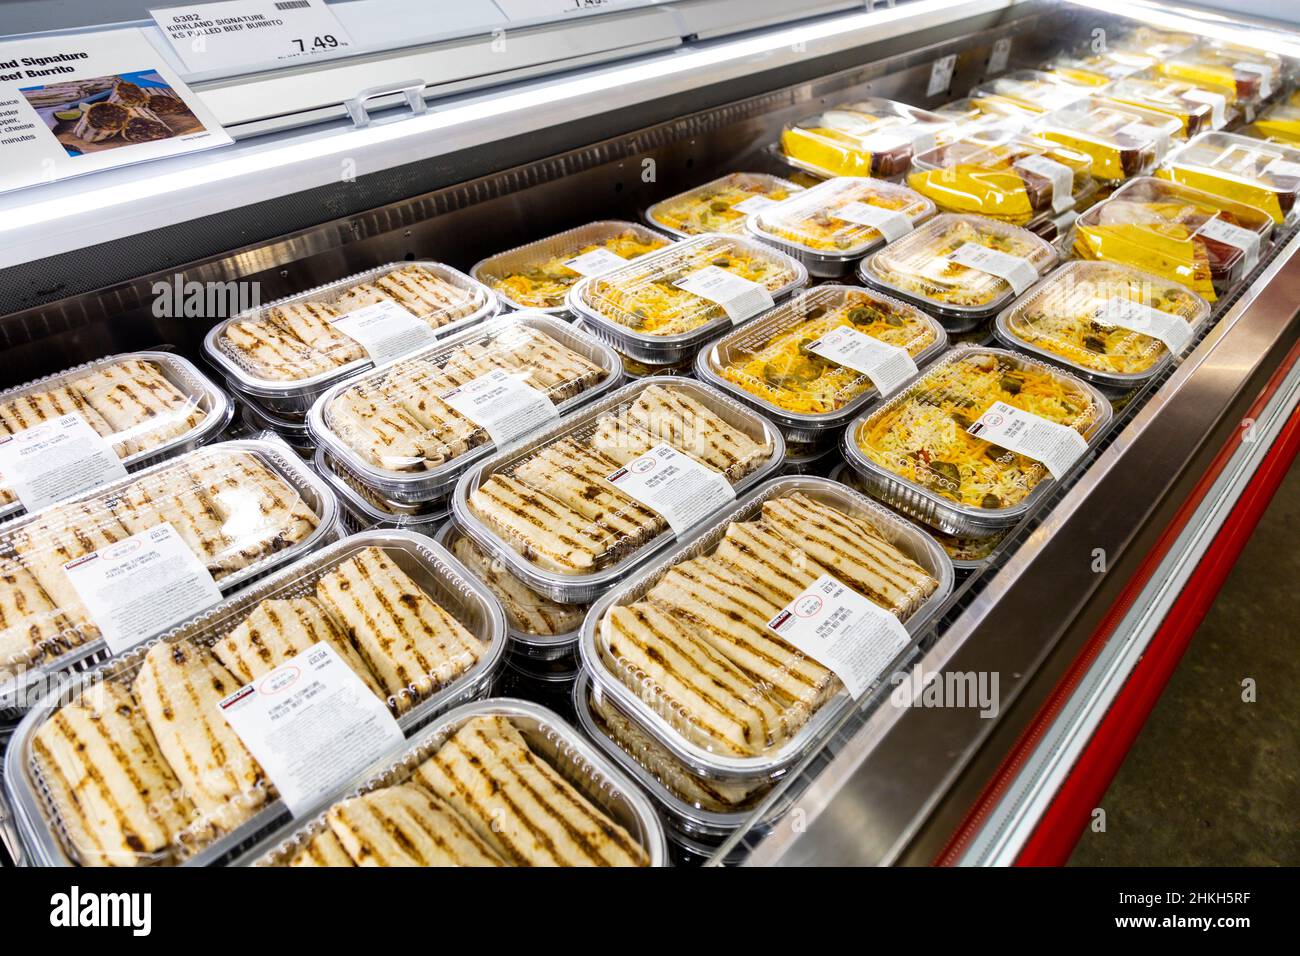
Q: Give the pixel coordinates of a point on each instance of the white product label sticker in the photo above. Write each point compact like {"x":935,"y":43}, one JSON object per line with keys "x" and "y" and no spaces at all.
{"x":142,"y":585}
{"x":890,"y":223}
{"x":1235,"y":236}
{"x":1059,"y":175}
{"x":754,"y":204}
{"x":888,"y":366}
{"x":386,"y":330}
{"x":1057,"y":446}
{"x":674,"y":485}
{"x":1283,"y":167}
{"x":1018,"y":273}
{"x":1217,"y":102}
{"x":596,"y":262}
{"x":1263,"y":72}
{"x":941,"y":74}
{"x":1138,"y":317}
{"x":217,"y":36}
{"x":312,"y":724}
{"x":504,"y":404}
{"x":840,"y":629}
{"x":57,"y":459}
{"x":1144,"y":132}
{"x":1000,"y":54}
{"x":739,"y":298}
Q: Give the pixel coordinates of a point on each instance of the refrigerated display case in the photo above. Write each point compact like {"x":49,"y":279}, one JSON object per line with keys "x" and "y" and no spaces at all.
{"x":521,"y":129}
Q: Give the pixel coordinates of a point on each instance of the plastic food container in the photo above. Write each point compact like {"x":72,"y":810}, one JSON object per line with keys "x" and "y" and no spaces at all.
{"x":1097,"y":69}
{"x":539,"y":275}
{"x":45,"y":820}
{"x":718,"y":431}
{"x":897,"y":447}
{"x":294,"y":434}
{"x":391,"y":429}
{"x":634,"y":368}
{"x":540,"y":629}
{"x":832,"y":225}
{"x":245,"y":507}
{"x":1246,"y":170}
{"x":961,"y":269}
{"x":690,"y":804}
{"x":978,"y":115}
{"x":732,"y":747}
{"x":1279,"y":123}
{"x":548,"y":737}
{"x":1018,"y":179}
{"x":1086,"y":316}
{"x":1031,"y":90}
{"x":360,"y":509}
{"x":721,"y":205}
{"x":1244,"y":74}
{"x":643,"y":311}
{"x":1207,"y":243}
{"x":1154,"y":44}
{"x":1197,"y":109}
{"x":767,"y":364}
{"x":291,"y":371}
{"x":968,"y":553}
{"x":148,"y":406}
{"x":1123,"y":141}
{"x":870,"y":137}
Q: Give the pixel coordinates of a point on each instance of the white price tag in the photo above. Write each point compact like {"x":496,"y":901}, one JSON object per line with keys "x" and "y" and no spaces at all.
{"x":890,"y":223}
{"x":1059,"y":175}
{"x":1018,"y":273}
{"x":142,"y":585}
{"x":1217,"y":102}
{"x":57,"y":459}
{"x":840,"y":629}
{"x":1058,"y":447}
{"x":888,"y":366}
{"x":1235,"y":236}
{"x":536,"y":9}
{"x":739,"y":298}
{"x":1138,"y":317}
{"x":216,"y":36}
{"x":1283,"y":168}
{"x":596,"y":262}
{"x":385,"y":330}
{"x":674,"y":485}
{"x":312,"y":725}
{"x":999,"y":55}
{"x":504,"y":404}
{"x":1263,"y":72}
{"x":755,"y":204}
{"x":941,"y":74}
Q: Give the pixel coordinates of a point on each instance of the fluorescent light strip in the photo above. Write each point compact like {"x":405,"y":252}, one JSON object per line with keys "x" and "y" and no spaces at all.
{"x":1200,"y":22}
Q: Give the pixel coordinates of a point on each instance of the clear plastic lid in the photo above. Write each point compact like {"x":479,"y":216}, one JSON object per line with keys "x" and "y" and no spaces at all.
{"x":1097,"y":69}
{"x":646,"y":298}
{"x":921,"y":437}
{"x":722,"y":205}
{"x":1032,"y":90}
{"x":241,"y":507}
{"x":1198,"y":109}
{"x":293,"y":343}
{"x":1239,"y":168}
{"x":687,"y":649}
{"x":975,"y":114}
{"x":829,"y":220}
{"x":144,"y":405}
{"x":1012,"y":178}
{"x":1152,"y":43}
{"x":533,"y":618}
{"x":870,"y":137}
{"x":1244,"y":74}
{"x":940,"y":266}
{"x":539,"y":275}
{"x":499,"y":782}
{"x":1203,"y":241}
{"x":363,"y":508}
{"x":1123,"y":141}
{"x":401,"y":427}
{"x":1279,"y":123}
{"x":1079,"y":315}
{"x":767,"y":363}
{"x":550,"y":508}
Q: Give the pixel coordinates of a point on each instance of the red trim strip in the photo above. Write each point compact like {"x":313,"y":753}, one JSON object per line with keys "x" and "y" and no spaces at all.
{"x":1048,"y":712}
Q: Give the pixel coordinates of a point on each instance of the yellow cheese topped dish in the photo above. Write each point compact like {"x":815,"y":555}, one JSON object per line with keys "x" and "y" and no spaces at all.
{"x":1244,"y":74}
{"x":1032,"y":90}
{"x":1096,"y":69}
{"x":1279,"y":123}
{"x":1203,"y":241}
{"x":540,"y":274}
{"x":1090,"y":316}
{"x":1198,"y":109}
{"x":722,"y":205}
{"x":1265,"y":175}
{"x":1123,"y":141}
{"x":871,"y":137}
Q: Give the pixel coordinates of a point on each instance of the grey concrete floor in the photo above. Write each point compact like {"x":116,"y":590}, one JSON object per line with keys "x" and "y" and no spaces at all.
{"x":1213,"y":780}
